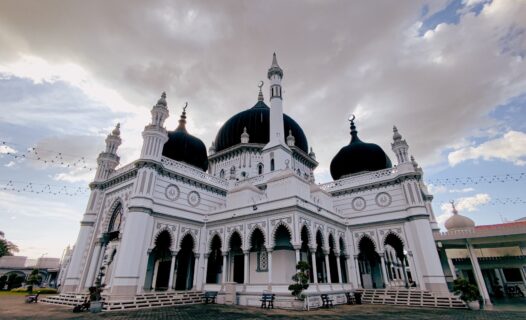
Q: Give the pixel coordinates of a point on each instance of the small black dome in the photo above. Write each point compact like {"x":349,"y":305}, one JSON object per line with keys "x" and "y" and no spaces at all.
{"x":358,"y":156}
{"x":256,"y":120}
{"x":184,"y":147}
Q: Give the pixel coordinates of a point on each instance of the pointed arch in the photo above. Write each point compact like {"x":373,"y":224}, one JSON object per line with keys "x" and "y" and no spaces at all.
{"x":273,"y":233}
{"x":304,"y":229}
{"x":182,"y":237}
{"x":362,"y":237}
{"x":237,"y":233}
{"x":116,"y":204}
{"x":249,"y":243}
{"x":211,"y":237}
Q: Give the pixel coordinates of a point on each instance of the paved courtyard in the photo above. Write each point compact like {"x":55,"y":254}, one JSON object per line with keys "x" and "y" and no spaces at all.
{"x":13,"y":307}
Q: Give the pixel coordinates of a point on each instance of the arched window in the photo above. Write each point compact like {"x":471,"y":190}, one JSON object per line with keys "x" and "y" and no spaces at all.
{"x":116,"y":219}
{"x":222,"y":174}
{"x":271,"y":164}
{"x":260,"y":168}
{"x":233,"y":170}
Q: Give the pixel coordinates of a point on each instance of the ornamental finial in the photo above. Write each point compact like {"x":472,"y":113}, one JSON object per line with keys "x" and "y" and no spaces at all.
{"x":454,"y":210}
{"x":260,"y":95}
{"x":354,"y":133}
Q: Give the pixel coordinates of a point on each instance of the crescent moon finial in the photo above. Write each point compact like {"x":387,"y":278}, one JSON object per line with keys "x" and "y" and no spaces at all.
{"x":352,"y":117}
{"x":260,"y":84}
{"x":185,"y":106}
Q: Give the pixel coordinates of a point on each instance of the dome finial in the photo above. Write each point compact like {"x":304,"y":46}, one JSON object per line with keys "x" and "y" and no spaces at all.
{"x":354,"y":133}
{"x":162,"y":100}
{"x":260,"y":95}
{"x":454,"y":210}
{"x":117,"y":130}
{"x":182,"y":120}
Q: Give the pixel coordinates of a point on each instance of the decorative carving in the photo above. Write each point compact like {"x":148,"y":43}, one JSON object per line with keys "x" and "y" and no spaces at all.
{"x":383,"y":199}
{"x":358,"y":204}
{"x":194,"y":199}
{"x":172,"y":192}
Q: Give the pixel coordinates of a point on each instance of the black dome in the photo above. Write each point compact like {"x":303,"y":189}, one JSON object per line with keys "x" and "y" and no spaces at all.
{"x":184,"y":147}
{"x":358,"y":156}
{"x":256,"y":120}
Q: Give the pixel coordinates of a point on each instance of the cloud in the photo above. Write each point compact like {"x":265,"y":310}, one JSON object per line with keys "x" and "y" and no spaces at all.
{"x":511,"y":147}
{"x":465,"y":204}
{"x":338,"y":60}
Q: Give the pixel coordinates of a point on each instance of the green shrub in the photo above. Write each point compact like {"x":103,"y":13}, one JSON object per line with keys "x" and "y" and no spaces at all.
{"x":301,"y":280}
{"x":38,"y":290}
{"x":466,"y":290}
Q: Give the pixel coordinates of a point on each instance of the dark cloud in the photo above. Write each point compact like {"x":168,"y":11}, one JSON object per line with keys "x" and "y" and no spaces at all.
{"x":338,"y":57}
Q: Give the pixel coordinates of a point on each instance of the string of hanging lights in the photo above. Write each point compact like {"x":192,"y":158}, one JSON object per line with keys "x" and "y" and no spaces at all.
{"x":42,"y":188}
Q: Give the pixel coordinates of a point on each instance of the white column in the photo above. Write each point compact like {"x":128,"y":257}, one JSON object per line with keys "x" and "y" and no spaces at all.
{"x":225,"y":267}
{"x":269,"y":267}
{"x":154,"y":280}
{"x":94,"y":266}
{"x":246,"y":266}
{"x":328,"y":268}
{"x":205,"y":268}
{"x":171,"y":278}
{"x":72,"y":282}
{"x":384,"y":270}
{"x":297,"y":256}
{"x":314,"y":267}
{"x":339,"y":269}
{"x":415,"y":276}
{"x":196,"y":271}
{"x":359,"y":276}
{"x":478,"y":274}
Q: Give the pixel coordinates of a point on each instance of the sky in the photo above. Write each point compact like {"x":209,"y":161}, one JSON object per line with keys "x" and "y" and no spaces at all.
{"x":450,"y":74}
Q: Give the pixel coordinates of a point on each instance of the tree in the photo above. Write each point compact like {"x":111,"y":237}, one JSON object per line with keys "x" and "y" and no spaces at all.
{"x":7,"y":248}
{"x":34,"y":278}
{"x":14,"y":281}
{"x":301,"y":279}
{"x":466,"y":290}
{"x":3,"y":281}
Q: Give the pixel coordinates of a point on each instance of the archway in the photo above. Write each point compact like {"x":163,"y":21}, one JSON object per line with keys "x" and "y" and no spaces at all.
{"x":159,"y":261}
{"x":283,"y":256}
{"x":333,"y":266}
{"x":237,"y":261}
{"x":343,"y":261}
{"x":369,"y":264}
{"x":305,"y":251}
{"x":258,"y":253}
{"x":215,"y":261}
{"x":320,"y":259}
{"x":396,"y":261}
{"x":185,"y":264}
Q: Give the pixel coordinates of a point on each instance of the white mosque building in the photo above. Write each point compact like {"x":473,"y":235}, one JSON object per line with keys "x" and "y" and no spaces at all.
{"x":237,"y":219}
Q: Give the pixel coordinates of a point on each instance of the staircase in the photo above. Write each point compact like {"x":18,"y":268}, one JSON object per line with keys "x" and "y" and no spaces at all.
{"x":145,"y":300}
{"x":411,"y":298}
{"x":66,"y":299}
{"x":154,"y":299}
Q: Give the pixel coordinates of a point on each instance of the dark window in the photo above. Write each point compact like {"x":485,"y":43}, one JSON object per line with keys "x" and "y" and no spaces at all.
{"x":271,"y":164}
{"x":512,"y":275}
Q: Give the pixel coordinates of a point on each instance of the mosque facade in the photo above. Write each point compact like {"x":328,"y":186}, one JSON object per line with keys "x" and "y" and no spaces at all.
{"x":244,"y":213}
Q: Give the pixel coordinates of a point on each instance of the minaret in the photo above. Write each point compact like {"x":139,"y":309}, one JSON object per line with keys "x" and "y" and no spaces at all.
{"x":155,"y":135}
{"x":276,"y":154}
{"x":276,"y":134}
{"x":399,"y":147}
{"x":109,"y":160}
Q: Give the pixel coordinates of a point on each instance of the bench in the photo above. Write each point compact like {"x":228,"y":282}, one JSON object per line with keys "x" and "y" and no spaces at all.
{"x":267,"y":300}
{"x":351,"y":299}
{"x":32,"y":298}
{"x":326,"y":301}
{"x":210,"y":296}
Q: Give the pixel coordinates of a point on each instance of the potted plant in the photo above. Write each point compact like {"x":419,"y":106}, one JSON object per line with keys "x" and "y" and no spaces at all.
{"x":301,"y":280}
{"x":468,"y":293}
{"x":95,"y":293}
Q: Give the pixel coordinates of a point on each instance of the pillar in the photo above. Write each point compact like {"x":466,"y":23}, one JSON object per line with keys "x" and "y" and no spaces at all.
{"x":478,"y":274}
{"x":246,"y":266}
{"x":196,"y":271}
{"x":95,"y":262}
{"x":154,"y":280}
{"x":357,"y":266}
{"x":171,"y":278}
{"x":205,"y":268}
{"x":224,"y":267}
{"x":269,"y":266}
{"x":384,"y":270}
{"x":298,"y":258}
{"x":338,"y":265}
{"x":327,"y":267}
{"x":314,"y":267}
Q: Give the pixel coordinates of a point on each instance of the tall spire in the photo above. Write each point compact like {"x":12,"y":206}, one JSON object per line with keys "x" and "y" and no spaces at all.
{"x":354,"y":132}
{"x":274,"y":68}
{"x":260,"y":95}
{"x":182,"y":120}
{"x":400,"y":147}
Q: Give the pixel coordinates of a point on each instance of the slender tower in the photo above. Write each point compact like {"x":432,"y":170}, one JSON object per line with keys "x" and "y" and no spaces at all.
{"x":154,"y":134}
{"x":276,"y":153}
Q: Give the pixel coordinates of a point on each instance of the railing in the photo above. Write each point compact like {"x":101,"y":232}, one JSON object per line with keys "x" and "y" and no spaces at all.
{"x":260,"y":178}
{"x":360,"y":179}
{"x":194,"y":173}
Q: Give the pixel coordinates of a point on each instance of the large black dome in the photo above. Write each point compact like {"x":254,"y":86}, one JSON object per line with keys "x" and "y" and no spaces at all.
{"x":184,"y":147}
{"x":256,"y":120}
{"x":358,"y":156}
